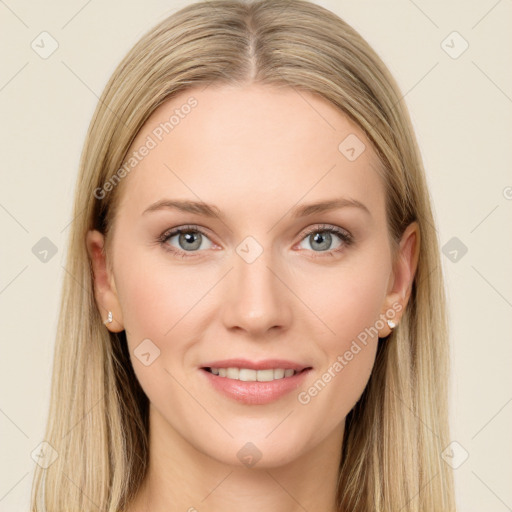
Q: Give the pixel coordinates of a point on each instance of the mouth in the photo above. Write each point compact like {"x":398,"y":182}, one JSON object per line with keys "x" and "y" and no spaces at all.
{"x":254,"y":383}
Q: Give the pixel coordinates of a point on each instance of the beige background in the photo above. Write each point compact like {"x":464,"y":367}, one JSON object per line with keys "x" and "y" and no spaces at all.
{"x":462,"y":111}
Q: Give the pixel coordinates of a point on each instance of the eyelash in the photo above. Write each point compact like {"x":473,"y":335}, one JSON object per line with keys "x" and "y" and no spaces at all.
{"x":345,"y":236}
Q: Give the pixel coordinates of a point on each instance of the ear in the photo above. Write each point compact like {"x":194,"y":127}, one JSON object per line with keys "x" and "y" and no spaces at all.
{"x":104,"y":286}
{"x":402,"y":278}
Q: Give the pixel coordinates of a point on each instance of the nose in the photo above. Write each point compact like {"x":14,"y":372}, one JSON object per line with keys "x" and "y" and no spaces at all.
{"x":256,"y":297}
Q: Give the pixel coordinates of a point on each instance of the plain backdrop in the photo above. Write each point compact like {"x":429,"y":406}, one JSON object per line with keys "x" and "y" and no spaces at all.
{"x":461,"y":106}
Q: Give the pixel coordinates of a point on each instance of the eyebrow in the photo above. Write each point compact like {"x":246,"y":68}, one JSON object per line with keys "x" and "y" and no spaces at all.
{"x":208,"y":210}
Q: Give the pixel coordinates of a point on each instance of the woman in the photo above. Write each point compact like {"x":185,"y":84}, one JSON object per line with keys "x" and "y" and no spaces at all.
{"x":253,"y":314}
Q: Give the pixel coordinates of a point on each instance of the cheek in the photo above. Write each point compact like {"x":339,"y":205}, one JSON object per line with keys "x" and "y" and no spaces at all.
{"x":157,"y":305}
{"x":154,"y":296}
{"x":348,"y":301}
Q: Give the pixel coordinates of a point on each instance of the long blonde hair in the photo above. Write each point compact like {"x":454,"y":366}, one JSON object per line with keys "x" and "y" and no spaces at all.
{"x":98,"y":417}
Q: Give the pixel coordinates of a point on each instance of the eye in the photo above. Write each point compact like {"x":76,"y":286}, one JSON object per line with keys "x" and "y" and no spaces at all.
{"x":323,"y":239}
{"x":189,"y":240}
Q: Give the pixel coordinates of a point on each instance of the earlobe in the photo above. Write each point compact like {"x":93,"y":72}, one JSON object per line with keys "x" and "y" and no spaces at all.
{"x":105,"y":292}
{"x":403,"y":272}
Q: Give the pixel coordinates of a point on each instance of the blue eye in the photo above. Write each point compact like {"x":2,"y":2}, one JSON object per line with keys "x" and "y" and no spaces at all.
{"x":190,"y":240}
{"x":324,"y":242}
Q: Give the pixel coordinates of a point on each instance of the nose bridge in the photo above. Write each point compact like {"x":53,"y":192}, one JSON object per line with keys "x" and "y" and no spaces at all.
{"x":256,"y":298}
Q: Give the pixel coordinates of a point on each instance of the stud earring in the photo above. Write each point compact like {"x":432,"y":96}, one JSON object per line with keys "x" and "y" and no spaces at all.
{"x":391,"y":324}
{"x":109,"y":318}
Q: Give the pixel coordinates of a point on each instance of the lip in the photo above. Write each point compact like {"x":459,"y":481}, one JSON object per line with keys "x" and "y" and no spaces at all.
{"x":267,"y":364}
{"x":255,"y":393}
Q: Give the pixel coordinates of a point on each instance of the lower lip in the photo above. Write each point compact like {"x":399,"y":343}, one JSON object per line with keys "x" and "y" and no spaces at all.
{"x":255,"y":393}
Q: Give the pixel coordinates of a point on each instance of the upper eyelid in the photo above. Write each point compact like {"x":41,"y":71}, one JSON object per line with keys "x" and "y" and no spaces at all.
{"x":326,"y":227}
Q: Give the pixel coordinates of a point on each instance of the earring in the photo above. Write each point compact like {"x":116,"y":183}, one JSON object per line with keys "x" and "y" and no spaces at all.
{"x":109,"y":318}
{"x":391,"y":324}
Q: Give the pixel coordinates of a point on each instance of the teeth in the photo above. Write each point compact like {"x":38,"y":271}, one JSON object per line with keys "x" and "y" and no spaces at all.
{"x":232,"y":373}
{"x":279,"y":373}
{"x":248,"y":375}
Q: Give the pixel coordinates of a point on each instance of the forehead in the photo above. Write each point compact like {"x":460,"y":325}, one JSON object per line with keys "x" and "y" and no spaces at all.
{"x":251,"y":149}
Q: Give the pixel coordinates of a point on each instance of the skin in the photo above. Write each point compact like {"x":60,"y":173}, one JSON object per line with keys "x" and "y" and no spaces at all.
{"x":255,"y":152}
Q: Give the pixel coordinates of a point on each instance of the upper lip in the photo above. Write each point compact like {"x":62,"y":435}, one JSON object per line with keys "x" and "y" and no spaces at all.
{"x":256,"y":365}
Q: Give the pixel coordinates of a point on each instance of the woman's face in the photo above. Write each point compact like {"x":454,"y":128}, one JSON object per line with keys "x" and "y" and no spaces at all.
{"x":248,"y":281}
